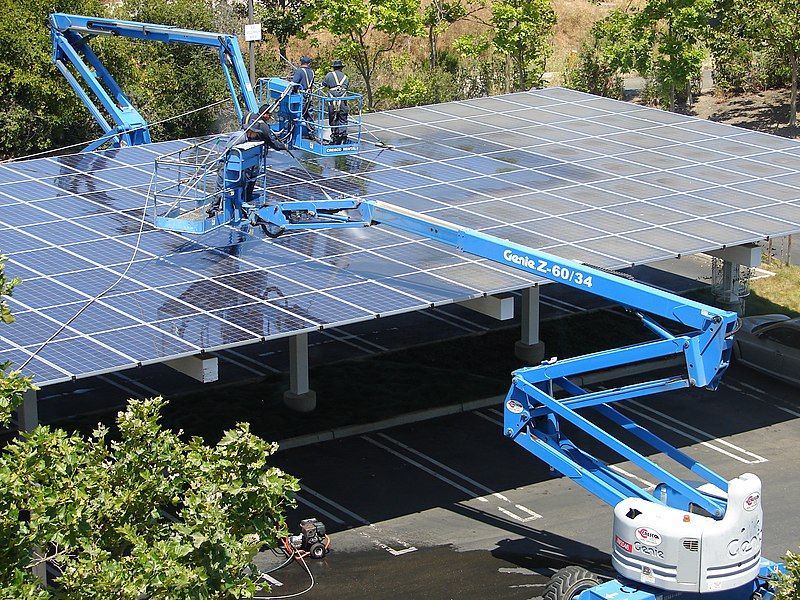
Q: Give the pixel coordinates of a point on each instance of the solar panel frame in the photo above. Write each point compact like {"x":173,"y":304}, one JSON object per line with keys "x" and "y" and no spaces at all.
{"x":587,"y":178}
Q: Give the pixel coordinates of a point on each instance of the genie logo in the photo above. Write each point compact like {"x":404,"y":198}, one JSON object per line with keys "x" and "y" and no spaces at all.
{"x":648,"y":536}
{"x":752,"y":501}
{"x":525,"y":261}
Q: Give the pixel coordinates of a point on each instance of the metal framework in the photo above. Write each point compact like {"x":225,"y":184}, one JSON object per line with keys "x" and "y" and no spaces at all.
{"x":71,"y":35}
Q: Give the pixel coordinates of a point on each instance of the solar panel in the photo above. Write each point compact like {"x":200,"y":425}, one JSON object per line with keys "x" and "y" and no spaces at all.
{"x":589,"y":179}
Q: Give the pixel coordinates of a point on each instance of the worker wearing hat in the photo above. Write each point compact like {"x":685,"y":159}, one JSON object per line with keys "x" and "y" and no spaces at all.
{"x":337,"y":84}
{"x":303,"y":76}
{"x":303,"y":80}
{"x":255,"y":128}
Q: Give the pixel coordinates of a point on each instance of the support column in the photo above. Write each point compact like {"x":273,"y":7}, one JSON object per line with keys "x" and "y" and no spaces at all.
{"x":299,"y":397}
{"x":729,"y":296}
{"x":28,"y":412}
{"x":530,"y":348}
{"x":28,"y":420}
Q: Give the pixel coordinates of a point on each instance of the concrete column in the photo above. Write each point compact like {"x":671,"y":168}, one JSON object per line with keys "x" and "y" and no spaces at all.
{"x":28,"y":420}
{"x":530,"y":348}
{"x":28,"y":412}
{"x":729,"y":292}
{"x":299,"y":397}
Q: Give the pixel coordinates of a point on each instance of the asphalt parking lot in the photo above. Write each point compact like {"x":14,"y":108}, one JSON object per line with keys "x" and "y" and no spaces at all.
{"x":449,"y":508}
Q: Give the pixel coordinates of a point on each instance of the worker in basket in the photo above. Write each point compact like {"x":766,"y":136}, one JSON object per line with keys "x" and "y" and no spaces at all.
{"x":336,"y":84}
{"x":255,"y":128}
{"x":303,"y":80}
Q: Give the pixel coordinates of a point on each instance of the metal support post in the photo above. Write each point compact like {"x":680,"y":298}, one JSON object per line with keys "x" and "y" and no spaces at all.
{"x":729,"y":293}
{"x":28,"y":412}
{"x":299,"y":397}
{"x":251,"y":46}
{"x":530,"y":348}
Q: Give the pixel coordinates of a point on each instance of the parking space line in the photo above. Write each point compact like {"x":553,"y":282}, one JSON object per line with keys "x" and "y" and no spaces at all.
{"x":223,"y":356}
{"x":431,"y":472}
{"x":271,"y":580}
{"x":359,"y":519}
{"x":522,"y":519}
{"x":319,"y":509}
{"x":759,"y":398}
{"x":756,"y":458}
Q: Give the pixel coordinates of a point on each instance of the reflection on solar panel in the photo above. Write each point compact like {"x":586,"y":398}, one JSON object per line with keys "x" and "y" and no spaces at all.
{"x":586,"y":178}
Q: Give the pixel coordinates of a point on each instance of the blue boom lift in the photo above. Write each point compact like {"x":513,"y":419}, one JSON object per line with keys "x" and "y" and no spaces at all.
{"x":684,"y":540}
{"x":302,"y":118}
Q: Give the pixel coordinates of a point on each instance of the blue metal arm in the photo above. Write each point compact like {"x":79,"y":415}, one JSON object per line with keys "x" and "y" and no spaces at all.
{"x":70,"y":36}
{"x":533,"y":411}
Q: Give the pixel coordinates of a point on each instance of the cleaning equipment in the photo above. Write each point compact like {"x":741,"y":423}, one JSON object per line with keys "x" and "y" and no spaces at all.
{"x":312,"y":539}
{"x":73,"y":56}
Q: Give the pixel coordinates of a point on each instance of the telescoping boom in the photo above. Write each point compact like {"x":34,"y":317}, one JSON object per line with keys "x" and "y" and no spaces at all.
{"x":689,"y":537}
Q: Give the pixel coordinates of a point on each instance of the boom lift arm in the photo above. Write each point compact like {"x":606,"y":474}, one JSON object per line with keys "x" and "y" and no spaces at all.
{"x":71,"y":35}
{"x":684,"y":536}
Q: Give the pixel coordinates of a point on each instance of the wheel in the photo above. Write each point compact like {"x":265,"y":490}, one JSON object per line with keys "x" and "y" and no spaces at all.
{"x":317,"y":550}
{"x":568,"y":583}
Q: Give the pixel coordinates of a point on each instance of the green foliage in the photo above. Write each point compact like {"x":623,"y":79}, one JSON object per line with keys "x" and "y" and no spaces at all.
{"x":773,"y":24}
{"x":522,"y":32}
{"x":422,"y":86}
{"x":146,"y":516}
{"x":788,"y":584}
{"x":590,"y":70}
{"x":37,"y":107}
{"x":12,"y":385}
{"x":164,"y":80}
{"x":367,"y":30}
{"x":285,"y":19}
{"x":662,"y":41}
{"x":437,"y":17}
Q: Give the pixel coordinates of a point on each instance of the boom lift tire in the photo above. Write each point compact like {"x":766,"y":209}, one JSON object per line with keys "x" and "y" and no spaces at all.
{"x":568,"y":583}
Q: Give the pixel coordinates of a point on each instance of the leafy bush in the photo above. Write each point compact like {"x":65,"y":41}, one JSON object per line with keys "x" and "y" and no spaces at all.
{"x":590,"y":71}
{"x":145,"y":516}
{"x":788,"y":585}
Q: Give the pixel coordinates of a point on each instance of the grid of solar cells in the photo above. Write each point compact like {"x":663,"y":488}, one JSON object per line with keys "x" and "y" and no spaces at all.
{"x":590,"y":179}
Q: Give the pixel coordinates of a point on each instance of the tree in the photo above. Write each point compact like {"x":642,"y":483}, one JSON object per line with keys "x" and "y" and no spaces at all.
{"x":776,"y":23}
{"x":165,"y":80}
{"x":662,"y":41}
{"x":438,"y":16}
{"x":285,"y":19}
{"x":367,"y":30}
{"x":522,"y":32}
{"x":144,"y":516}
{"x":12,"y":385}
{"x":38,"y":110}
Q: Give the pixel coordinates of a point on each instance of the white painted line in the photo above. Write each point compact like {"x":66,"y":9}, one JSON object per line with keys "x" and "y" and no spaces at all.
{"x":320,"y":510}
{"x":478,"y":413}
{"x":648,"y":485}
{"x":223,"y":356}
{"x":144,"y":386}
{"x":271,"y":580}
{"x":760,"y":396}
{"x":431,"y":472}
{"x":694,"y":438}
{"x":756,"y":457}
{"x":252,"y":361}
{"x":407,"y":547}
{"x":133,"y":393}
{"x":336,"y":505}
{"x":480,"y":486}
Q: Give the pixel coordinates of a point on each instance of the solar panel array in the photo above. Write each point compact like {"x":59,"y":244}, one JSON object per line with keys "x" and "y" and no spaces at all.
{"x":586,"y":178}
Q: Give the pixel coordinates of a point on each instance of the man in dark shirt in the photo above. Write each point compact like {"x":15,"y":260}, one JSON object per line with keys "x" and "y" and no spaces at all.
{"x":337,"y":84}
{"x":303,"y":79}
{"x":255,"y":128}
{"x":304,"y":76}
